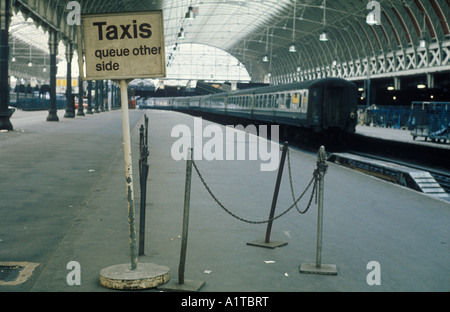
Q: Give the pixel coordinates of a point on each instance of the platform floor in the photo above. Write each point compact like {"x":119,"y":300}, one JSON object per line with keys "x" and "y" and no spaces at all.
{"x":63,"y":198}
{"x":397,"y":135}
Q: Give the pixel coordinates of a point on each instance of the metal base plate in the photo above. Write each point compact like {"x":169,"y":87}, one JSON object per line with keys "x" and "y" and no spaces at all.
{"x":188,"y":285}
{"x":272,"y":245}
{"x":146,"y":275}
{"x":324,"y":269}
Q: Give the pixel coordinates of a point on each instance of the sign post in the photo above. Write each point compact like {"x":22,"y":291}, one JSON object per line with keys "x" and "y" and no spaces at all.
{"x":122,"y":47}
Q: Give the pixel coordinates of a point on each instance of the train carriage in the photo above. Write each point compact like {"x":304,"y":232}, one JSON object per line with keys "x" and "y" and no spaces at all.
{"x":321,"y":105}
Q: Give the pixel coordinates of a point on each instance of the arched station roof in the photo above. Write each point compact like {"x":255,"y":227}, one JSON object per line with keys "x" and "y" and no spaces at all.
{"x":252,"y":29}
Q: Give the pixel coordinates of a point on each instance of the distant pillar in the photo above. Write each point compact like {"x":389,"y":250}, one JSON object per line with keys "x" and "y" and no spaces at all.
{"x":89,"y":107}
{"x":5,"y":11}
{"x":53,"y":46}
{"x":367,"y":91}
{"x":430,"y":81}
{"x":112,"y":97}
{"x":397,"y":83}
{"x":70,"y":105}
{"x":80,"y":111}
{"x":106,"y":95}
{"x":97,"y":100}
{"x":102,"y":96}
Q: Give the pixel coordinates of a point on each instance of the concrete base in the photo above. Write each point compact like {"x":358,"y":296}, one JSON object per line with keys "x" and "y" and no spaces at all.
{"x":272,"y":245}
{"x":146,"y":275}
{"x":186,"y":286}
{"x":324,"y":269}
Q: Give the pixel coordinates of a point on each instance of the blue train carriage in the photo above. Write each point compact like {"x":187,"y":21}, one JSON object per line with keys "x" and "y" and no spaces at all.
{"x":321,"y":105}
{"x":332,"y":105}
{"x":430,"y":120}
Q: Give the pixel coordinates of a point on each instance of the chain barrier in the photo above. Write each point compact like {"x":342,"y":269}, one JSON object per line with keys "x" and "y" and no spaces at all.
{"x":321,"y":167}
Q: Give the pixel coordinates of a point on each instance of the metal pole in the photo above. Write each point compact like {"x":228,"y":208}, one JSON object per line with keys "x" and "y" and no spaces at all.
{"x":70,"y":105}
{"x":80,"y":111}
{"x":5,"y":18}
{"x":128,"y":173}
{"x":318,"y":267}
{"x":321,"y":160}
{"x":142,"y":165}
{"x":275,"y":194}
{"x":53,"y":47}
{"x":89,"y":105}
{"x":187,"y":199}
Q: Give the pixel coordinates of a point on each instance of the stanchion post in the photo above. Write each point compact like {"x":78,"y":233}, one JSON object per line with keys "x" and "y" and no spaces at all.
{"x":318,"y":267}
{"x":124,"y":276}
{"x":267,"y":243}
{"x":321,"y":172}
{"x":184,"y":236}
{"x":143,"y":185}
{"x":128,"y":173}
{"x":185,"y":285}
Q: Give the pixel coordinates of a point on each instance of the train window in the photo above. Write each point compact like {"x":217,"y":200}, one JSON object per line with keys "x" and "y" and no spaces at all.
{"x":264,"y":104}
{"x":295,"y":100}
{"x":288,"y":100}
{"x":275,"y":101}
{"x":304,"y":105}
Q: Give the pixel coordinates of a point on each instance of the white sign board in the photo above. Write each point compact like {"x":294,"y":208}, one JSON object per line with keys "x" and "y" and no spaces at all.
{"x":124,"y":45}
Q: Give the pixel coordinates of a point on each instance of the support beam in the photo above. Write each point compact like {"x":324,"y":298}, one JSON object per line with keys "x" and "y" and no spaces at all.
{"x":5,"y":9}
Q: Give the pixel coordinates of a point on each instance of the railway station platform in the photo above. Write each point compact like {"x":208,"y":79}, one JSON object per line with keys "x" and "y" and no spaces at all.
{"x":399,"y":135}
{"x":63,"y":199}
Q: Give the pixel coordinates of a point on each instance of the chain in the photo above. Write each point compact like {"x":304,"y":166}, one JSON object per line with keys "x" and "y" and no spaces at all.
{"x":314,"y":191}
{"x":315,"y":178}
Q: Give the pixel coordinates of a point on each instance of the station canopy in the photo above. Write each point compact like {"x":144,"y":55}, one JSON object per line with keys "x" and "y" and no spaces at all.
{"x":264,"y":38}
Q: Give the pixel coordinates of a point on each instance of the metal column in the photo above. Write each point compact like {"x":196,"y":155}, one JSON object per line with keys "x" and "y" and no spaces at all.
{"x":70,"y":105}
{"x":5,"y":11}
{"x":53,"y":46}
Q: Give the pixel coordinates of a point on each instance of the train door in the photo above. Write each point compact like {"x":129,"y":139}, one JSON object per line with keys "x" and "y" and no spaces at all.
{"x":334,"y":106}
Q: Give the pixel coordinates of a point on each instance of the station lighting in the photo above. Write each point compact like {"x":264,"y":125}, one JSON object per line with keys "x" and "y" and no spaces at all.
{"x":13,"y":59}
{"x":292,"y":48}
{"x":190,"y":13}
{"x":266,"y":57}
{"x":30,"y":63}
{"x":181,"y":34}
{"x":323,"y":36}
{"x":422,"y":43}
